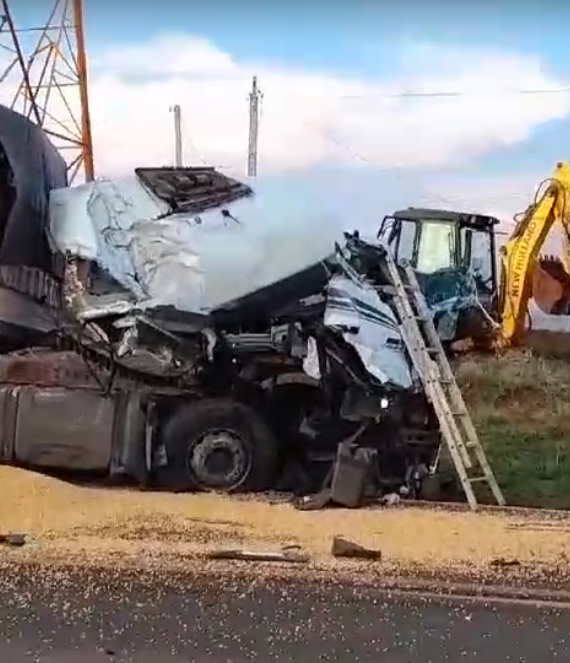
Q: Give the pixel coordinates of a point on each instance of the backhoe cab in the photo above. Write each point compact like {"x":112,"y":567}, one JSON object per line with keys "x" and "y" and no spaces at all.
{"x":453,"y":255}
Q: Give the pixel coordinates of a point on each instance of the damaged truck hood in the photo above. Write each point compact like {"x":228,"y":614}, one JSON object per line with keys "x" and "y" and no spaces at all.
{"x":192,"y":254}
{"x":230,"y":255}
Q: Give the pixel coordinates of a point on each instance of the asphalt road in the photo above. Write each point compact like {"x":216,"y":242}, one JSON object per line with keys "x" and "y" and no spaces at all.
{"x":49,"y":618}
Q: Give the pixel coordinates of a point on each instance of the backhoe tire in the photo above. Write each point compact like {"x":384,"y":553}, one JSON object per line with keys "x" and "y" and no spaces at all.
{"x":218,"y":445}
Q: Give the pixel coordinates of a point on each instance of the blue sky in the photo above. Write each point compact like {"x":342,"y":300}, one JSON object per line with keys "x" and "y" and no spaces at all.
{"x":359,"y":39}
{"x":352,"y":36}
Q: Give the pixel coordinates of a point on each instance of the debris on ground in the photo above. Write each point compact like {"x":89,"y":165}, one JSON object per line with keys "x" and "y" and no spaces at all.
{"x":259,"y":556}
{"x":342,"y":547}
{"x":316,"y":502}
{"x":391,"y":499}
{"x":504,"y":563}
{"x":15,"y":540}
{"x":106,"y":527}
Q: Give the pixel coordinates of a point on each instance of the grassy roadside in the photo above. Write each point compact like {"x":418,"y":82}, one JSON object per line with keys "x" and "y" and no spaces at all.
{"x":520,"y":404}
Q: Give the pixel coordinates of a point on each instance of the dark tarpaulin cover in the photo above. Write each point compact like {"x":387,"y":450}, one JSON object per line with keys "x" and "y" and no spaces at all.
{"x":37,"y":168}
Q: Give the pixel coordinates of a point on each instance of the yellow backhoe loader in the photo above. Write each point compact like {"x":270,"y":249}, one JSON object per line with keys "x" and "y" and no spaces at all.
{"x":444,"y":244}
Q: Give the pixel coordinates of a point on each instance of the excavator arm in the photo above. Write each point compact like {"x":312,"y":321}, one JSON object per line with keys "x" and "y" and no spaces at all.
{"x":521,"y":277}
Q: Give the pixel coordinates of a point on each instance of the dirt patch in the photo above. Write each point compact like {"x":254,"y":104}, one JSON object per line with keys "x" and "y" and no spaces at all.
{"x":520,"y":399}
{"x":515,"y":378}
{"x":548,"y":344}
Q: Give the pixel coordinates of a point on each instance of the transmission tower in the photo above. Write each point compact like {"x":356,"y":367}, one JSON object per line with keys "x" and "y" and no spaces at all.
{"x":44,"y":77}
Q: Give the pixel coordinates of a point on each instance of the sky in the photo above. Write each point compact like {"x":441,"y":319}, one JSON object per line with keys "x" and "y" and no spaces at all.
{"x":384,"y":105}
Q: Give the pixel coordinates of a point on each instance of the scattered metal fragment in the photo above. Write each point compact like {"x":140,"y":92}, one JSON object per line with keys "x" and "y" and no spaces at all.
{"x":342,"y":547}
{"x":352,"y":471}
{"x":259,"y":556}
{"x":15,"y":540}
{"x":504,"y":562}
{"x":315,"y":502}
{"x":390,"y":499}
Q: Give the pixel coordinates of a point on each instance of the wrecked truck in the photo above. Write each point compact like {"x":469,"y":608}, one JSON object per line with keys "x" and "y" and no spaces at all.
{"x":169,"y":341}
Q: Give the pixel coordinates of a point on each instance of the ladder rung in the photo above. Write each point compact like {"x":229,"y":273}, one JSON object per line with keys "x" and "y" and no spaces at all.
{"x":478,"y":479}
{"x":392,"y":290}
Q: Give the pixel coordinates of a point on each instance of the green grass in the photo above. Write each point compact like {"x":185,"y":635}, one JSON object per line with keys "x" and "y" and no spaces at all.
{"x":520,"y":404}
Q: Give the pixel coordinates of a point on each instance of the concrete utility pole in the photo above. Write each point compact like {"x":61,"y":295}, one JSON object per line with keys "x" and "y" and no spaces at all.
{"x":178,"y":158}
{"x":254,"y":99}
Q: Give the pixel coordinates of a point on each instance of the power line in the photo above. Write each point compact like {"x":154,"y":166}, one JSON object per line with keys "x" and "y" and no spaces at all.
{"x":328,"y":135}
{"x":411,"y":176}
{"x":457,"y":93}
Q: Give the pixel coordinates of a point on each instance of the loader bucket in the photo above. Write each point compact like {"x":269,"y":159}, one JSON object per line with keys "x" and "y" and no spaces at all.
{"x":551,"y":286}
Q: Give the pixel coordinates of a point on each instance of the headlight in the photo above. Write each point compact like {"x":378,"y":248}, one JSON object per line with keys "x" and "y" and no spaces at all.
{"x":384,"y":403}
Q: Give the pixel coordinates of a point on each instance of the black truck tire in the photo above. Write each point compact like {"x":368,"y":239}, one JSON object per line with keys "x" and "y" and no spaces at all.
{"x":201,"y":429}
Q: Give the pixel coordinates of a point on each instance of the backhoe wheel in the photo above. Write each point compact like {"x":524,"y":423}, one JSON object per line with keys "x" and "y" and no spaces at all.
{"x":218,"y":445}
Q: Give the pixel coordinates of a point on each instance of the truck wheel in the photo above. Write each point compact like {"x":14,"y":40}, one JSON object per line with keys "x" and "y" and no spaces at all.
{"x":218,"y":444}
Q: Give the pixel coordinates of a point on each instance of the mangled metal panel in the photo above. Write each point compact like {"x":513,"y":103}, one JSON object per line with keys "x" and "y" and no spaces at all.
{"x":191,"y":261}
{"x":370,"y":326}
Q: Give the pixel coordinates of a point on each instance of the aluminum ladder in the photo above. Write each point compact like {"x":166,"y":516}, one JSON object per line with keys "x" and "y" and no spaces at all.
{"x":430,"y":361}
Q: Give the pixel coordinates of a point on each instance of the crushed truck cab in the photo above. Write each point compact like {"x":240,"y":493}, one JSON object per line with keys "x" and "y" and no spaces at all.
{"x":187,"y":331}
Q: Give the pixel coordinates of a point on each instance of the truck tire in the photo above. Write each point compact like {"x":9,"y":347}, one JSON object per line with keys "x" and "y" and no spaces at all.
{"x":218,"y":445}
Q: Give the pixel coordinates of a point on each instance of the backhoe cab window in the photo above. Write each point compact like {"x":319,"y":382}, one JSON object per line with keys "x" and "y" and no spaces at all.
{"x":405,"y":240}
{"x":432,"y":245}
{"x":427,"y":245}
{"x":436,"y":248}
{"x":478,"y":253}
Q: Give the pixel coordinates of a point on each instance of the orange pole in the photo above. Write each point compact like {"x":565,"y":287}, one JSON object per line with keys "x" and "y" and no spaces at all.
{"x":86,"y":135}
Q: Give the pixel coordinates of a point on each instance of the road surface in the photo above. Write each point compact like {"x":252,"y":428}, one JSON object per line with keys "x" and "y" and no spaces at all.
{"x":102,"y":618}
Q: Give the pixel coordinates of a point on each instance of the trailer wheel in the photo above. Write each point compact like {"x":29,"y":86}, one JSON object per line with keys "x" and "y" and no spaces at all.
{"x":218,"y":445}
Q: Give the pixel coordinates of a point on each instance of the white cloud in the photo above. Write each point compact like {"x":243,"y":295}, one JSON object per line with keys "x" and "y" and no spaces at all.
{"x":309,"y":118}
{"x":313,"y":118}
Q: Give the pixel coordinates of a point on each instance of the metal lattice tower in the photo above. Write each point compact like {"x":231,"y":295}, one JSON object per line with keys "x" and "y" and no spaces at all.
{"x":44,"y":77}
